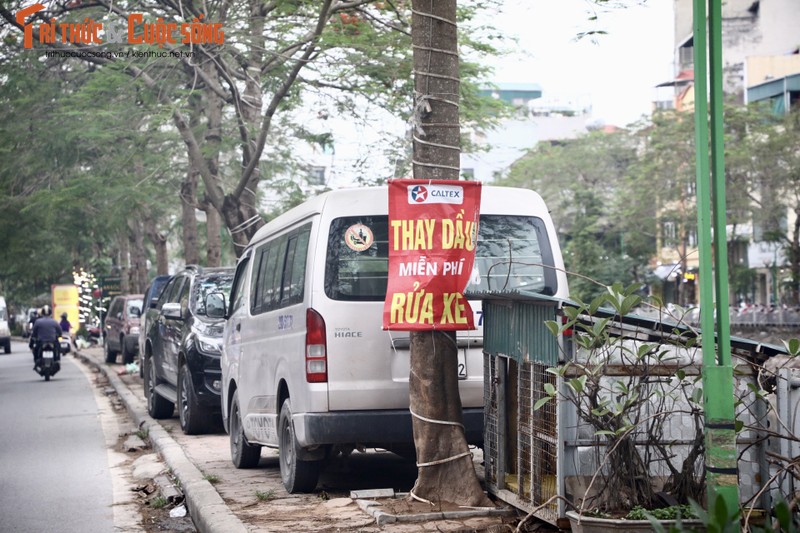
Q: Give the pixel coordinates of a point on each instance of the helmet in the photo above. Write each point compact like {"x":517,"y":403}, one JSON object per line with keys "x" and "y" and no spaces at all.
{"x":47,"y":311}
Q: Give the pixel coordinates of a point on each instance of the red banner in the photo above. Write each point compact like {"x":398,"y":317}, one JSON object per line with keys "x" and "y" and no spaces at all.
{"x":433,"y":229}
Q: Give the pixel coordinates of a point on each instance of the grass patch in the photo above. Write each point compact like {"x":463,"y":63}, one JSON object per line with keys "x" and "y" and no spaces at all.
{"x":159,"y":502}
{"x":265,"y":495}
{"x":143,"y":433}
{"x":211,"y":478}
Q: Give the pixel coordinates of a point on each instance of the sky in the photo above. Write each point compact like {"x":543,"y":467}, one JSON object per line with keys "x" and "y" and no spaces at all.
{"x":616,"y":74}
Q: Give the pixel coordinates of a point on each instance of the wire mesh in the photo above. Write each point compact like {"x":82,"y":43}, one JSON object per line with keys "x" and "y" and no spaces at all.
{"x":490,"y":439}
{"x":537,"y":440}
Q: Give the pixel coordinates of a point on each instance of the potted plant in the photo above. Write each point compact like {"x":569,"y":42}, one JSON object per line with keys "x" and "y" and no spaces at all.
{"x":637,"y":405}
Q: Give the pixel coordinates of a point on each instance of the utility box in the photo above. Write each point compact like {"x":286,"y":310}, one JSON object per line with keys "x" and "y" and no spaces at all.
{"x":521,"y":446}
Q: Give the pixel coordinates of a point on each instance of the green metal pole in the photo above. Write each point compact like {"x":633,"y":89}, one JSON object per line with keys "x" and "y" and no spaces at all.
{"x":721,"y":454}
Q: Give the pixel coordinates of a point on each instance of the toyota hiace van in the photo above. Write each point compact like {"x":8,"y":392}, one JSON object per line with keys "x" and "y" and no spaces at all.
{"x":306,"y":366}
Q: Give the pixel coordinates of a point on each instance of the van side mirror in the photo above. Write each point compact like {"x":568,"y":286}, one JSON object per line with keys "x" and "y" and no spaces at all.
{"x":215,"y":305}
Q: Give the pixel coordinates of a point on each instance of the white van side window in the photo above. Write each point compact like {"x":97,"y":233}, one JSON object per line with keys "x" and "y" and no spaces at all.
{"x":237,"y":292}
{"x":294,"y":271}
{"x":280,"y":277}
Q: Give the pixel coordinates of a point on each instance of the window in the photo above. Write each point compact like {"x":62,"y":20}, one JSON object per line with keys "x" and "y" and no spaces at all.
{"x":183,"y":298}
{"x":171,"y":291}
{"x":237,"y":292}
{"x":316,"y":175}
{"x":294,"y":271}
{"x":206,"y":284}
{"x":513,"y":253}
{"x":134,"y":307}
{"x":281,"y":271}
{"x":357,"y":275}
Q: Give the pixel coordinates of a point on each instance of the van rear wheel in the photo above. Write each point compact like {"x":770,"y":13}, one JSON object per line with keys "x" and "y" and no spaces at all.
{"x":243,"y":454}
{"x":297,"y":475}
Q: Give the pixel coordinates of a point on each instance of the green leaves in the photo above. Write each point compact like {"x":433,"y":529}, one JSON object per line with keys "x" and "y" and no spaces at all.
{"x":792,"y":346}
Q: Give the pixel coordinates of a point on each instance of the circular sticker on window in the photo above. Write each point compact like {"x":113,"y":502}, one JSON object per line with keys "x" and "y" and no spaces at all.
{"x":358,"y":237}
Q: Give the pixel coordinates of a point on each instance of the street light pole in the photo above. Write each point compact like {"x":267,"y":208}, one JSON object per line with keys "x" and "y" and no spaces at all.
{"x":722,"y":480}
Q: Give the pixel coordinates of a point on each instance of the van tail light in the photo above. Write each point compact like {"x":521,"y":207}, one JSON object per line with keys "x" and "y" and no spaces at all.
{"x":316,"y":348}
{"x":568,"y":331}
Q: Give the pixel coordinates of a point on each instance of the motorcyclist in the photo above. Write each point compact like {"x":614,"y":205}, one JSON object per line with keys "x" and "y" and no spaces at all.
{"x":45,"y":329}
{"x":65,"y":325}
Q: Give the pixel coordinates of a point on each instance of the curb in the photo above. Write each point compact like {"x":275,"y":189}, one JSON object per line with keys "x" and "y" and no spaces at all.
{"x":208,"y":510}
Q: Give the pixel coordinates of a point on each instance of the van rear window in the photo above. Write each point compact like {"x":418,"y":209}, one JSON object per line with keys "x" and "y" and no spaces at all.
{"x":353,"y":273}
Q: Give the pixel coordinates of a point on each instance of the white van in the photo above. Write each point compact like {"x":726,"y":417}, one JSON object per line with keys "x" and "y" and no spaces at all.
{"x":305,"y":363}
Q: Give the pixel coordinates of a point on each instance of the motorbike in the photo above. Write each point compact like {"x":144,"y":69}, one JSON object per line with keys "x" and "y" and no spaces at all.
{"x":47,"y":362}
{"x":65,"y":341}
{"x":94,"y":335}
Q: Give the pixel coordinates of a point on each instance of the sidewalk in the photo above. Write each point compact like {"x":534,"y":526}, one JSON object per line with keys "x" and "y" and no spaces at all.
{"x":223,"y":499}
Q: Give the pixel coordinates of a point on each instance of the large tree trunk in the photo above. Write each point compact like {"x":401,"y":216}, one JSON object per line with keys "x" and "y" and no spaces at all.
{"x":213,"y":236}
{"x":124,"y":269}
{"x":138,"y":257}
{"x":445,"y":469}
{"x":159,"y":241}
{"x":191,"y":248}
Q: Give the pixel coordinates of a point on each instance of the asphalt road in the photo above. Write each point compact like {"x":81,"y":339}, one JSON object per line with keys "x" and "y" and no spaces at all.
{"x":54,"y":473}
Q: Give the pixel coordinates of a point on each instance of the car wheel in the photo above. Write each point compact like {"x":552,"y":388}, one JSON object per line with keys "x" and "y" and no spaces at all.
{"x":194,"y":418}
{"x":243,"y":454}
{"x":8,"y":346}
{"x":297,"y":475}
{"x":111,"y":355}
{"x":157,"y":406}
{"x":127,"y":354}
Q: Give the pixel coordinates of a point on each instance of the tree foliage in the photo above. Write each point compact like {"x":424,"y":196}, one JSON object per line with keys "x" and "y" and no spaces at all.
{"x":140,"y":129}
{"x":620,"y":198}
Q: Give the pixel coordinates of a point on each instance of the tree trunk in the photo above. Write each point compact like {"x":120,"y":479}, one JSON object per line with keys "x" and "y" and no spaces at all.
{"x":213,"y":236}
{"x":191,"y":249}
{"x":159,"y":241}
{"x":213,"y":139}
{"x":433,"y":381}
{"x":138,"y":257}
{"x":124,"y":268}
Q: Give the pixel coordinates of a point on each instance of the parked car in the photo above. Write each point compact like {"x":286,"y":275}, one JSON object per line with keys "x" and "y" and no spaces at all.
{"x":122,"y":327}
{"x":5,"y":331}
{"x":151,"y":295}
{"x":182,"y":349}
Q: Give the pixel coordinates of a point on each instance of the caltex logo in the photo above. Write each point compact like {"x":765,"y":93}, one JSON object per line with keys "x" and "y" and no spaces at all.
{"x":419,"y":193}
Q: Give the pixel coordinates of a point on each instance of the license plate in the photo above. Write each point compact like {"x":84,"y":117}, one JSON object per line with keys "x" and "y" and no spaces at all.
{"x":47,"y":354}
{"x":462,"y":364}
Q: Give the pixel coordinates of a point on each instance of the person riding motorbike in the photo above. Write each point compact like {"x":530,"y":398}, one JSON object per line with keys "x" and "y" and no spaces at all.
{"x":65,"y":324}
{"x":45,"y":330}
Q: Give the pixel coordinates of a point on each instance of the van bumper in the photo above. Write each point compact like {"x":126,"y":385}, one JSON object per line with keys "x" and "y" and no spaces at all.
{"x":371,"y":428}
